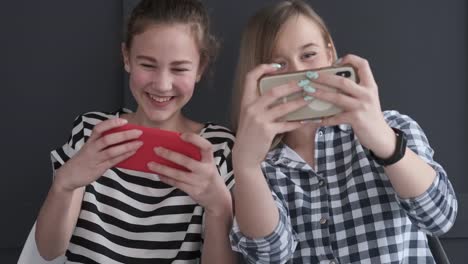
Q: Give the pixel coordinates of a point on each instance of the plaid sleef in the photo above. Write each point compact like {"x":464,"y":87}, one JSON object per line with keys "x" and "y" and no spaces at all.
{"x":345,"y":210}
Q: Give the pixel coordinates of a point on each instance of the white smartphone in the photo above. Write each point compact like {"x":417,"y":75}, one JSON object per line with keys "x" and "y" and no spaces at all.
{"x":317,"y":108}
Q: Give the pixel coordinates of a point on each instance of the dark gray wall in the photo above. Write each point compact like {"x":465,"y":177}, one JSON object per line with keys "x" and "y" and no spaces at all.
{"x":62,"y":58}
{"x":58,"y":59}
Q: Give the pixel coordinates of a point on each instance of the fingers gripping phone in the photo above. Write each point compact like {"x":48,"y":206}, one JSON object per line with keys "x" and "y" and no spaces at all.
{"x":151,"y":138}
{"x":317,"y":108}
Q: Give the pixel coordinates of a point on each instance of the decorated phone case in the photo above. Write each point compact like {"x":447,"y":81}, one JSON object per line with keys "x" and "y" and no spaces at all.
{"x":316,"y":109}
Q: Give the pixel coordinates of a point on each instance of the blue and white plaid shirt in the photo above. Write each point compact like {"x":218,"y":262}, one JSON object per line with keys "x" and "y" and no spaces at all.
{"x":345,"y":210}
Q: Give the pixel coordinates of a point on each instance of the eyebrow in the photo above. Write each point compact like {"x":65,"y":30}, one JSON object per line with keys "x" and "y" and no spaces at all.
{"x":305,"y":46}
{"x":151,"y":59}
{"x":308,"y":45}
{"x":181,"y":62}
{"x":143,"y":57}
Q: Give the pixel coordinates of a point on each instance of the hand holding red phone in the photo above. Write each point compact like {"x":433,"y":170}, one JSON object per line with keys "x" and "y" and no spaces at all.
{"x":152,"y":138}
{"x":202,"y":181}
{"x":101,"y":152}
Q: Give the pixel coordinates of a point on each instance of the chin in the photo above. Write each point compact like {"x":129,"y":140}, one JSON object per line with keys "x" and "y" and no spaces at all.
{"x":158,"y":116}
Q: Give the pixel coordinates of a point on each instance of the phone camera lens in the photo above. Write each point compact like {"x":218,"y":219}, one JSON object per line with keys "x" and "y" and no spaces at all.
{"x":345,"y":74}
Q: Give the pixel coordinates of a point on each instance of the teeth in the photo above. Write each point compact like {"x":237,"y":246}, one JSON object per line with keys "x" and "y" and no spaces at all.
{"x":160,"y":99}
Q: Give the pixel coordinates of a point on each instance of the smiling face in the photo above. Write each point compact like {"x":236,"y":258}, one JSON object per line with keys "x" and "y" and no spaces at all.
{"x":164,"y":65}
{"x":300,"y":45}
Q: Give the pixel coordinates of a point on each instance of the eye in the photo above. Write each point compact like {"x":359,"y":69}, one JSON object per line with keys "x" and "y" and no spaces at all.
{"x":308,"y":55}
{"x":180,"y":69}
{"x":146,"y":65}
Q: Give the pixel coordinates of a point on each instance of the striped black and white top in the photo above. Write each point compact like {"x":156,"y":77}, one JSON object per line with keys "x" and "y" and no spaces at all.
{"x":131,"y":217}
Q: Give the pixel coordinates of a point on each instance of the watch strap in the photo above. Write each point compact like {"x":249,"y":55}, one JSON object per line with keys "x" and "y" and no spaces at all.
{"x":398,"y":154}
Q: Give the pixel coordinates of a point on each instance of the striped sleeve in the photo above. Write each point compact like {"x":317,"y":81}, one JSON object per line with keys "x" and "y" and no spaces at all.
{"x":82,"y":128}
{"x":62,"y":154}
{"x":222,"y":140}
{"x":435,"y":210}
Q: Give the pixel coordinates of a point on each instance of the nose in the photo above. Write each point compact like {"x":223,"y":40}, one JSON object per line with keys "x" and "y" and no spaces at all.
{"x":161,"y":81}
{"x":296,"y":65}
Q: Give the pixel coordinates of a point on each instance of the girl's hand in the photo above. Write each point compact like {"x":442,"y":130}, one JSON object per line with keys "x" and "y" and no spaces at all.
{"x":361,"y":106}
{"x":203,"y":182}
{"x":258,"y":121}
{"x":97,"y":155}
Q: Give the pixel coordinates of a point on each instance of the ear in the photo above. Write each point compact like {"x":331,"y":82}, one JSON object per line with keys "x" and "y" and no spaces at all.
{"x":126,"y":58}
{"x":199,"y":75}
{"x":331,"y":54}
{"x":201,"y":71}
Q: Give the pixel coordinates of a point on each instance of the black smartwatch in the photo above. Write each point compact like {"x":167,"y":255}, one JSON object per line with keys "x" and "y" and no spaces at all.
{"x":399,"y":153}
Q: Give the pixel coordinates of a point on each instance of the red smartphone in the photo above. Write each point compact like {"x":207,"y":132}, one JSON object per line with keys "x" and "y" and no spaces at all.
{"x":154,"y":137}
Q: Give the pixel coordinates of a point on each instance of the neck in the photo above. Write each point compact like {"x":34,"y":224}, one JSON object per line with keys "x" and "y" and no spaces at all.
{"x":302,"y":141}
{"x":302,"y":138}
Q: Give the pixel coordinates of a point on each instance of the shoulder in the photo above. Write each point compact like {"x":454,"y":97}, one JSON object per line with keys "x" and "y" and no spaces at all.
{"x":220,"y":137}
{"x":212,"y":131}
{"x":84,"y":123}
{"x":95,"y":117}
{"x":92,"y":118}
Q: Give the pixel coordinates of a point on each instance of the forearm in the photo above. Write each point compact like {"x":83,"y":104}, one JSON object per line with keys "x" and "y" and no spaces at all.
{"x":256,"y":211}
{"x":56,"y":221}
{"x":425,"y":194}
{"x":421,"y":184}
{"x":411,"y":176}
{"x":217,"y":247}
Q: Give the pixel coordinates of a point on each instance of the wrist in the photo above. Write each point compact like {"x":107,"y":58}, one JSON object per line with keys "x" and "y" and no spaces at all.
{"x":241,"y":165}
{"x":244,"y":160}
{"x":222,"y":208}
{"x":386,"y":146}
{"x":60,"y":183}
{"x":59,"y":189}
{"x":398,"y":153}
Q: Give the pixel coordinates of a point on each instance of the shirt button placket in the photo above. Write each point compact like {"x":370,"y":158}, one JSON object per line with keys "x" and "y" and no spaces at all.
{"x":320,"y":133}
{"x":321,"y":183}
{"x":324,"y":219}
{"x":320,"y":150}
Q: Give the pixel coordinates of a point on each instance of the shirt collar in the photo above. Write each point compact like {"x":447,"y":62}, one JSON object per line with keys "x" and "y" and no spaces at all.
{"x":278,"y":155}
{"x":283,"y":155}
{"x":345,"y":127}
